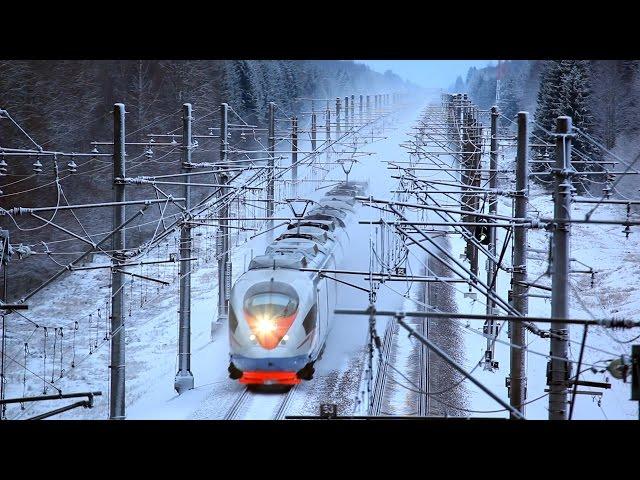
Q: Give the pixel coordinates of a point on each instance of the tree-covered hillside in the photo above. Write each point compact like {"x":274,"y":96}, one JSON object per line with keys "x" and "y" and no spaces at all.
{"x":65,"y":105}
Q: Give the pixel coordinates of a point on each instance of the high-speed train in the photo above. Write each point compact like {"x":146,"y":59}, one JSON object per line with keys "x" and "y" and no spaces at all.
{"x":280,"y":316}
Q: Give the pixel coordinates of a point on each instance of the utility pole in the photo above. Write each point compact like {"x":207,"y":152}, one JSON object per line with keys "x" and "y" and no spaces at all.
{"x":474,"y":180}
{"x":520,"y":300}
{"x":360,"y":110}
{"x":337,"y":118}
{"x":294,"y":155}
{"x":314,"y":126}
{"x":490,"y":327}
{"x":327,"y":126}
{"x":467,"y":193}
{"x":353,"y":109}
{"x":222,"y":238}
{"x":4,"y":262}
{"x":368,"y":109}
{"x":118,"y":246}
{"x":346,"y":112}
{"x":271,"y":146}
{"x":559,"y":370}
{"x":184,"y":378}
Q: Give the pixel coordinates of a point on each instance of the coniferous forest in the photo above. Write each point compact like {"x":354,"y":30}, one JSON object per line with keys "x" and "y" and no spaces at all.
{"x":64,"y":105}
{"x":601,"y":96}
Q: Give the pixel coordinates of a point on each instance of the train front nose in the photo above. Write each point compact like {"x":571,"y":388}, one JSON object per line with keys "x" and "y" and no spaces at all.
{"x":270,"y":308}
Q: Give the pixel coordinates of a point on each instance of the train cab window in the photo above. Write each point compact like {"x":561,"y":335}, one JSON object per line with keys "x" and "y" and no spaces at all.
{"x":273,"y":304}
{"x":271,"y":299}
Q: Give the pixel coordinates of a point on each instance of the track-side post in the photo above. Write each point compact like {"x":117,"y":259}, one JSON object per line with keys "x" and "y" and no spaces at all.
{"x":294,"y":155}
{"x":271,"y":146}
{"x":314,"y":129}
{"x":118,"y":246}
{"x":184,"y":378}
{"x":353,"y":109}
{"x":337,"y":118}
{"x":559,"y":369}
{"x":222,"y":235}
{"x":327,"y":126}
{"x":490,"y":327}
{"x":368,"y":108}
{"x":346,"y":113}
{"x":520,"y":299}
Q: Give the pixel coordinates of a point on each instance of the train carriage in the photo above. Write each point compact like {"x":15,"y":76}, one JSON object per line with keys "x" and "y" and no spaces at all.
{"x":280,"y":316}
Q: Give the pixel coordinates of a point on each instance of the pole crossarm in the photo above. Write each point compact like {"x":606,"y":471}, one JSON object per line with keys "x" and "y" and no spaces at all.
{"x":612,"y":323}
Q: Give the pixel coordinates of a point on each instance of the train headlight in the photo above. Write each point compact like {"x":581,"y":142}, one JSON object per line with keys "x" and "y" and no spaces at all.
{"x":266,"y":325}
{"x":270,"y":309}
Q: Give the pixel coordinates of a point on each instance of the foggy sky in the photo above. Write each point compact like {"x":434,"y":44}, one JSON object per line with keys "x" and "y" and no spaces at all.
{"x":427,"y":73}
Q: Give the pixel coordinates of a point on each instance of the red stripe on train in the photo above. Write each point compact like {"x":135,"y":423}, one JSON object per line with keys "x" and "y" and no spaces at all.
{"x":269,"y":378}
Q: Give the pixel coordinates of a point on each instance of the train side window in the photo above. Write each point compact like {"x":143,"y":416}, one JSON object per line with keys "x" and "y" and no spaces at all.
{"x":309,"y":322}
{"x":233,"y":320}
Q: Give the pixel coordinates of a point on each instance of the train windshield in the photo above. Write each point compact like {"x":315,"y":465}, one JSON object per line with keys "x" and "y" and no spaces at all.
{"x":271,"y":304}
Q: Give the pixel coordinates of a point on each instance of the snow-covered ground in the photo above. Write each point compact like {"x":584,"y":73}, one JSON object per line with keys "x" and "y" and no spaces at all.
{"x":614,"y":293}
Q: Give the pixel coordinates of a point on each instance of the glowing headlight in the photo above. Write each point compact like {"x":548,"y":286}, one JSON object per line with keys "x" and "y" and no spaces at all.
{"x":265,"y":325}
{"x":252,"y":338}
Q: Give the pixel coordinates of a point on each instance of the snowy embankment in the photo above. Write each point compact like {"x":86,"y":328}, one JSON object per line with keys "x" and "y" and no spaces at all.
{"x":615,"y":292}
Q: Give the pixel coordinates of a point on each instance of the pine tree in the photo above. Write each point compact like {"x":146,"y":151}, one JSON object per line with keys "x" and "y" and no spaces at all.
{"x":510,"y":95}
{"x":548,"y":105}
{"x":565,"y":89}
{"x":576,"y":95}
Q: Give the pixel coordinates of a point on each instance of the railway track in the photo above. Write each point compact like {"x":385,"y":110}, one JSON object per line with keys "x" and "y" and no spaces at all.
{"x":253,"y":405}
{"x":381,"y":375}
{"x":422,"y":377}
{"x":423,"y":352}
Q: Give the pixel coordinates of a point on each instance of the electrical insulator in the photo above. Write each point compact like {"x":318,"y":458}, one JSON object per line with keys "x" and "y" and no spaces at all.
{"x":219,"y":248}
{"x":228,"y":281}
{"x":3,"y":168}
{"x":626,"y":231}
{"x":619,"y":368}
{"x":173,"y":141}
{"x":37,"y":166}
{"x":73,"y":168}
{"x":153,"y":140}
{"x":148,"y":152}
